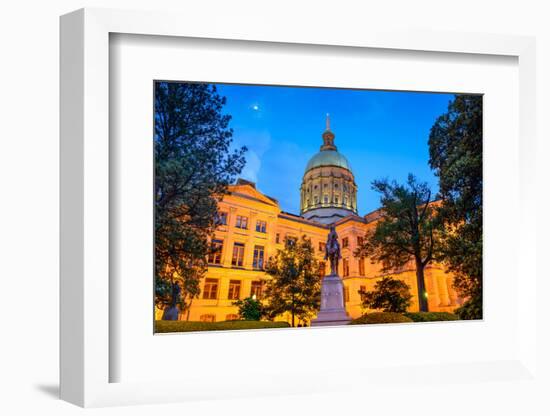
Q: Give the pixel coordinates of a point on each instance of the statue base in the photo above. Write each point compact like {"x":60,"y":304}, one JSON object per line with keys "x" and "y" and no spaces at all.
{"x":171,"y":314}
{"x":332,"y":310}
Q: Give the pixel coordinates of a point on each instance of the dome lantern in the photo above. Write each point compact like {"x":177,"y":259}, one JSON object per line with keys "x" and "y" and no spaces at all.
{"x":328,"y":137}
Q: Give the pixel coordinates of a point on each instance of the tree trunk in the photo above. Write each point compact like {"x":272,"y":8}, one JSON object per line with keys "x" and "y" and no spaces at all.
{"x":422,"y":294}
{"x":292,"y":310}
{"x":189,"y":309}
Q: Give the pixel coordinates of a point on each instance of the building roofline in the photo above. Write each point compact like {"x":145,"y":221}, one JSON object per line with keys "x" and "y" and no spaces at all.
{"x":297,"y":218}
{"x":351,"y":217}
{"x":245,"y":196}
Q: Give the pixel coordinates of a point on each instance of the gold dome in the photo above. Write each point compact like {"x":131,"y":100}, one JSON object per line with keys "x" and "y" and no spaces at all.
{"x":328,"y":191}
{"x":328,"y":158}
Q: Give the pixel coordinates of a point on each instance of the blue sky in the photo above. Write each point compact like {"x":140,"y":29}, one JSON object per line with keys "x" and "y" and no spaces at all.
{"x":382,"y":133}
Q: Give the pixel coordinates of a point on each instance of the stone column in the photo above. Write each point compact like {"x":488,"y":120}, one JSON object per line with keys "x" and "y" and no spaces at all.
{"x":223,"y":288}
{"x":249,"y":246}
{"x":227,"y":251}
{"x":246,"y":285}
{"x":431,"y":288}
{"x":443,"y":292}
{"x":452,"y":293}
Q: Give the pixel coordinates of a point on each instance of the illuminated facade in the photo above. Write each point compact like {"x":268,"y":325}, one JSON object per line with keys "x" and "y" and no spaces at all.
{"x":254,"y":227}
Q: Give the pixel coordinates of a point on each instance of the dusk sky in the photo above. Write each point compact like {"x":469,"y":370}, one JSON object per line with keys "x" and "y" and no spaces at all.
{"x":382,"y":134}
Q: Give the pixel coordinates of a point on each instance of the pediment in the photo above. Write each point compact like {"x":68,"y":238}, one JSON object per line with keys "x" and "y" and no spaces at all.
{"x":249,"y":192}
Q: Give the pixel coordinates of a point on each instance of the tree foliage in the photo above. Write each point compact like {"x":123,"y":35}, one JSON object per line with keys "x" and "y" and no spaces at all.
{"x":389,"y":294}
{"x":194,"y":164}
{"x":250,"y":309}
{"x":456,"y":151}
{"x":407,"y":230}
{"x":295,"y":285}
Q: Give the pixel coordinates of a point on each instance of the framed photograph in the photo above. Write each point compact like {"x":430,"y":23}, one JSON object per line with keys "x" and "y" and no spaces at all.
{"x":225,"y":197}
{"x":236,"y":248}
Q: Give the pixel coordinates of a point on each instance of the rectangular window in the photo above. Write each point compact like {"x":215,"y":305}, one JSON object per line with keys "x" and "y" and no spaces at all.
{"x":215,"y":256}
{"x":242,"y":222}
{"x":345,"y":242}
{"x":231,"y":317}
{"x":277,"y":238}
{"x":260,"y":226}
{"x":361,"y":266}
{"x":322,"y":269}
{"x":360,"y":241}
{"x":209,"y":317}
{"x":345,"y":263}
{"x":222,"y":218}
{"x":234,"y":290}
{"x":238,"y":255}
{"x":258,"y":261}
{"x":291,"y":240}
{"x":256,"y":289}
{"x":322,"y":246}
{"x":346,"y":294}
{"x":210,"y":289}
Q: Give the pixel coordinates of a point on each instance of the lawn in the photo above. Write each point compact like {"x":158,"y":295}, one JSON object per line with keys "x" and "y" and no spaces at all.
{"x":193,"y":326}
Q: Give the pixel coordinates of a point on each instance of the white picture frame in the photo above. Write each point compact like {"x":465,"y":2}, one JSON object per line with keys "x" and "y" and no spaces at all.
{"x":85,"y":351}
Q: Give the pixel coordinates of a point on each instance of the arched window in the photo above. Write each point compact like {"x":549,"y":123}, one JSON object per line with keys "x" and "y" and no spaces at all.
{"x":345,"y":200}
{"x":336,"y":200}
{"x":316,"y":200}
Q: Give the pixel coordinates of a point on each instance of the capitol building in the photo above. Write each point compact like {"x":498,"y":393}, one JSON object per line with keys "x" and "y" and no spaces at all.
{"x":253,"y":227}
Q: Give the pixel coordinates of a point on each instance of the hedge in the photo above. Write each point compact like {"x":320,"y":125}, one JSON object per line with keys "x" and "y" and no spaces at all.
{"x":192,"y":326}
{"x":431,"y":316}
{"x":381,"y":318}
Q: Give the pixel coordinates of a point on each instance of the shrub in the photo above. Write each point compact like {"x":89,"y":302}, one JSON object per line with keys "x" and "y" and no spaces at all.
{"x":192,"y":326}
{"x":250,"y":309}
{"x":471,"y":309}
{"x":431,"y":316}
{"x":389,"y":294}
{"x":381,"y":318}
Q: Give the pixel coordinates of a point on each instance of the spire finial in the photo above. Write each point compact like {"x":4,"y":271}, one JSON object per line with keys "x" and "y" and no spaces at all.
{"x":328,"y":137}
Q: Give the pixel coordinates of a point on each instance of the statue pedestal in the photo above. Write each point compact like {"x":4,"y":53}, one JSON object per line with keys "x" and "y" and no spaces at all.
{"x":332,"y":310}
{"x":171,"y":313}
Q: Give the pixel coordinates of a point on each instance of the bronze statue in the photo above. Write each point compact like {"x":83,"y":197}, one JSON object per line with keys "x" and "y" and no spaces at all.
{"x":332,"y":251}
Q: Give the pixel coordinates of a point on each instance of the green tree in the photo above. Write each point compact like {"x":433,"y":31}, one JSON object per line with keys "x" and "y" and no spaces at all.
{"x":406,"y":231}
{"x":456,"y":149}
{"x":295,"y":286}
{"x":250,"y":309}
{"x":194,"y":164}
{"x":389,"y":294}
